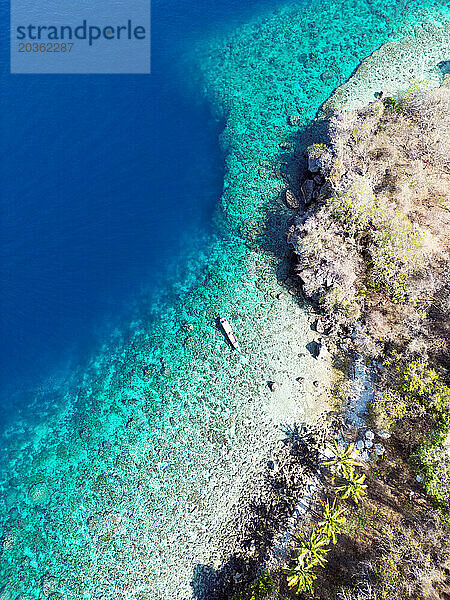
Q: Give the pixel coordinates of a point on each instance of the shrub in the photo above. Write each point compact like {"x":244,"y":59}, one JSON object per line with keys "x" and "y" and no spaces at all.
{"x":256,"y":590}
{"x":310,"y":553}
{"x":422,"y":385}
{"x":350,"y":485}
{"x":302,"y":578}
{"x":332,"y":521}
{"x":355,"y":208}
{"x":394,"y":253}
{"x":417,"y":391}
{"x":316,"y":150}
{"x":311,"y":549}
{"x":342,"y":459}
{"x":432,"y":460}
{"x":342,"y":302}
{"x":415,"y":89}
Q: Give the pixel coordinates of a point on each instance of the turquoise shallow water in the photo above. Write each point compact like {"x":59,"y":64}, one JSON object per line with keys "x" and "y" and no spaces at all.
{"x":123,"y":492}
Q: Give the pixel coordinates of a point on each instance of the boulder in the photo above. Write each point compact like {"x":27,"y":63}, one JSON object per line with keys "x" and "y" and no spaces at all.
{"x":318,"y":179}
{"x":365,"y":456}
{"x":379,"y":449}
{"x":273,"y":386}
{"x":307,"y":191}
{"x":149,"y":370}
{"x":314,"y":348}
{"x":291,"y":200}
{"x":314,"y":154}
{"x":319,"y":326}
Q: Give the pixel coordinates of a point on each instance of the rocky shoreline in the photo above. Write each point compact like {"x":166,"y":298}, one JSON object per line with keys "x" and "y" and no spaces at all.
{"x":335,"y":260}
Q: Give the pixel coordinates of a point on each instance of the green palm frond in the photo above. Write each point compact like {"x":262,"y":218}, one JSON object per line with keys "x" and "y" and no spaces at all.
{"x":302,"y":578}
{"x":333,"y":520}
{"x":342,"y":459}
{"x":350,"y":485}
{"x":311,"y":549}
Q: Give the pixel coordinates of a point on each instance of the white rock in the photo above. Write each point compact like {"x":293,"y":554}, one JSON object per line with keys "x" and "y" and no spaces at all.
{"x":368,"y":443}
{"x":379,"y":449}
{"x":370,"y":435}
{"x":384,"y":435}
{"x":360,"y":444}
{"x":419,"y":478}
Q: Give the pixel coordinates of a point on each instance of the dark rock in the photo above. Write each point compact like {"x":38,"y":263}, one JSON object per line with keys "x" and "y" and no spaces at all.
{"x":318,"y":179}
{"x":291,"y":200}
{"x":131,"y":423}
{"x":92,"y":523}
{"x":314,"y":348}
{"x":267,"y":164}
{"x":166,"y":372}
{"x":316,"y":384}
{"x":307,"y":191}
{"x":303,"y":58}
{"x":300,"y":379}
{"x":273,"y":386}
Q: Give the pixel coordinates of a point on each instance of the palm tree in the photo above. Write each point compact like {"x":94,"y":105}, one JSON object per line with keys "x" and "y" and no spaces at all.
{"x":333,"y":520}
{"x":311,"y":548}
{"x":342,"y":459}
{"x":350,"y":485}
{"x":302,"y":578}
{"x":310,"y":553}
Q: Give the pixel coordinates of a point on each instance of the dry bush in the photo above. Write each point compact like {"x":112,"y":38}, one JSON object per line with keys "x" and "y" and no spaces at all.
{"x":381,"y":234}
{"x":408,"y":562}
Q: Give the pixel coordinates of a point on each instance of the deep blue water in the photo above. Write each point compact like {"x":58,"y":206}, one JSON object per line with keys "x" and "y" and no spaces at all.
{"x":99,"y":176}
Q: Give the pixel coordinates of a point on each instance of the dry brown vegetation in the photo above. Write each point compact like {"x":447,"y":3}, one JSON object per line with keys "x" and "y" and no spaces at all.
{"x":377,"y":242}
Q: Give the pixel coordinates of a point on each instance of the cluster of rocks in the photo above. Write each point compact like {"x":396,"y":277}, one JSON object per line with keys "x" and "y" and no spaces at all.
{"x":309,"y":191}
{"x":366,"y":443}
{"x":317,"y":156}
